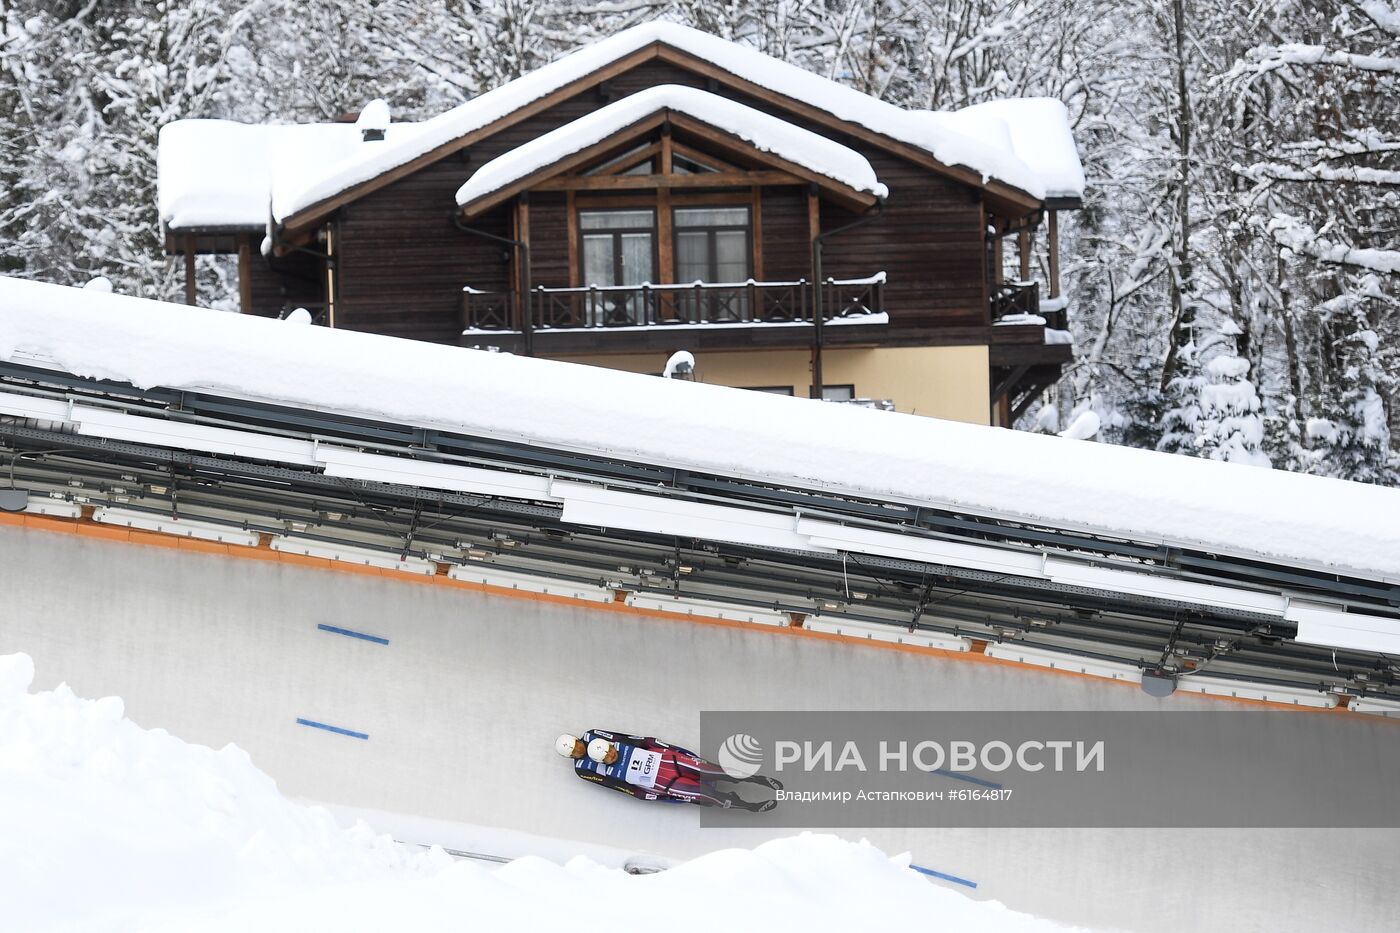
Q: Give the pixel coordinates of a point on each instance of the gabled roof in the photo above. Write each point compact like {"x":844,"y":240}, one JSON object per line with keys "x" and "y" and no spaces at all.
{"x":295,"y":199}
{"x":816,"y":157}
{"x":219,"y":175}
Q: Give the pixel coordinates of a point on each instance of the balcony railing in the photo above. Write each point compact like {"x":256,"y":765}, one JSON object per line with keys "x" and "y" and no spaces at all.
{"x":614,"y":306}
{"x":1016,"y":298}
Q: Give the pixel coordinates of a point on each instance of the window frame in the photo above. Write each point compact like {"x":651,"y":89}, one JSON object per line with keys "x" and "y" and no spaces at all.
{"x":712,"y":260}
{"x":617,"y":232}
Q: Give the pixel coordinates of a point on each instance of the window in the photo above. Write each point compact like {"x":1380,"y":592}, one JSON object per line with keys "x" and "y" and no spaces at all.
{"x":838,"y":393}
{"x":684,"y":165}
{"x":771,"y":390}
{"x":618,"y":248}
{"x":712,"y":246}
{"x":611,"y":166}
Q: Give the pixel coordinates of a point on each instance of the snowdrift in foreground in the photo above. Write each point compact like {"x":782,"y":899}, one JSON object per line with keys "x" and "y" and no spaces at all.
{"x":108,"y":826}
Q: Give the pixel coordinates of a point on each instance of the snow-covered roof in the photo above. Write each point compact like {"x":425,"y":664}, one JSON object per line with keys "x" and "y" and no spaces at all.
{"x":820,"y":155}
{"x":944,"y":143}
{"x":1038,"y":131}
{"x":216,"y":173}
{"x":1119,"y":491}
{"x":220,"y":173}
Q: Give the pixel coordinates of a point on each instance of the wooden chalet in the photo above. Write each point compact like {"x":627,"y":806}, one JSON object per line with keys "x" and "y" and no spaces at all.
{"x":657,"y":191}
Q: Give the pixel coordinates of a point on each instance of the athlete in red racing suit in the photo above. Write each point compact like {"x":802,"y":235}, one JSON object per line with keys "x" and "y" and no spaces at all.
{"x":650,"y":769}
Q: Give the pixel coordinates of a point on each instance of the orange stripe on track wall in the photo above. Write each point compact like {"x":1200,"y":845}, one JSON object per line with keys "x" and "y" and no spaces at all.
{"x":86,"y":527}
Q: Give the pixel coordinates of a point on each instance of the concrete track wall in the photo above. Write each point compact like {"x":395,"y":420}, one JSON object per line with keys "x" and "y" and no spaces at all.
{"x":462,"y":705}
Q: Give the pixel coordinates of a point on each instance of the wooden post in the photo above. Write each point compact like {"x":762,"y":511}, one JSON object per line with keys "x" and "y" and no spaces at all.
{"x":1054,"y":251}
{"x":570,"y":205}
{"x":814,"y":229}
{"x":665,"y":246}
{"x":522,"y":265}
{"x":756,"y":228}
{"x":245,"y":275}
{"x":191,"y":286}
{"x":666,"y":167}
{"x":1023,"y":251}
{"x":999,"y":261}
{"x":330,"y":275}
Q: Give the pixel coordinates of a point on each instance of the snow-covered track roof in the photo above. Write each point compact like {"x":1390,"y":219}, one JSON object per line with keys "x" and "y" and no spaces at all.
{"x":1046,"y":481}
{"x":821,"y":157}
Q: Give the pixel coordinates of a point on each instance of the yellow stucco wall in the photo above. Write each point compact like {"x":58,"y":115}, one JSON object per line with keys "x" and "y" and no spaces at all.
{"x":942,"y":382}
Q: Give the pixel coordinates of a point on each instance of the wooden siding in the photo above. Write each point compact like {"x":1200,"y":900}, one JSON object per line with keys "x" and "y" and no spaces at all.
{"x":292,"y":281}
{"x":402,"y":263}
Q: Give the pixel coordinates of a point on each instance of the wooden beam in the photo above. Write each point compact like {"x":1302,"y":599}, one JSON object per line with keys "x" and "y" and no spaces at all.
{"x":647,"y":182}
{"x":569,"y":162}
{"x":705,"y":158}
{"x":623,"y":164}
{"x":717,"y":138}
{"x":756,"y":229}
{"x":998,"y":262}
{"x":645,"y":200}
{"x":331,"y":297}
{"x":665,"y":252}
{"x":1054,"y":253}
{"x":997,"y":189}
{"x":1023,"y":252}
{"x":665,"y":168}
{"x":571,"y":207}
{"x":191,"y":284}
{"x":814,"y":216}
{"x":245,"y":274}
{"x":310,"y":215}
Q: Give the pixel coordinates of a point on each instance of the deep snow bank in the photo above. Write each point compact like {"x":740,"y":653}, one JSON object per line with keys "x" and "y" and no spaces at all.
{"x":105,"y":825}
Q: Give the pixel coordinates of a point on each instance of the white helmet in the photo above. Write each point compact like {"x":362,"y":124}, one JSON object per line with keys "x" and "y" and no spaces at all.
{"x":566,"y":744}
{"x":598,"y":750}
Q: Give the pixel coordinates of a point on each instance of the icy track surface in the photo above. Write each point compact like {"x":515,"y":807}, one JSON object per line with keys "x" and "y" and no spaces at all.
{"x":106,"y":826}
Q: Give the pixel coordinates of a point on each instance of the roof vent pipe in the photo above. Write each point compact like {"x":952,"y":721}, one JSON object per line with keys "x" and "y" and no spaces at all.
{"x":373,"y":121}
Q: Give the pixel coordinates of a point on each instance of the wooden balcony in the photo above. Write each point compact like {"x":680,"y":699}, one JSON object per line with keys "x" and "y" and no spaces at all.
{"x":659,"y":306}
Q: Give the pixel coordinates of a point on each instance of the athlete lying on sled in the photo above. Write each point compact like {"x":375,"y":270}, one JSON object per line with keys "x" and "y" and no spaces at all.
{"x":649,"y":769}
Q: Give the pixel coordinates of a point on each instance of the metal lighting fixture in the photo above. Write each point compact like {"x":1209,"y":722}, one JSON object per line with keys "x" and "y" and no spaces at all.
{"x":707,"y":609}
{"x":529,"y":583}
{"x":367,"y":557}
{"x":180,"y":527}
{"x":889,"y":634}
{"x":1245,"y":690}
{"x":1373,"y":706}
{"x":161,"y":432}
{"x":1062,"y":661}
{"x":1158,"y":683}
{"x":608,"y":508}
{"x":1334,"y":627}
{"x":1074,"y":573}
{"x":832,"y":536}
{"x":405,"y":471}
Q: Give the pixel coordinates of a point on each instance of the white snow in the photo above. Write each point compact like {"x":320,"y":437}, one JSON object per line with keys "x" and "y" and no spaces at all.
{"x":1055,"y":336}
{"x":217,"y":173}
{"x":765,"y":133}
{"x":295,"y":191}
{"x":106,"y":826}
{"x":1114,"y":490}
{"x":373,"y":116}
{"x":1019,"y":318}
{"x":1085,"y":425}
{"x":1038,"y":131}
